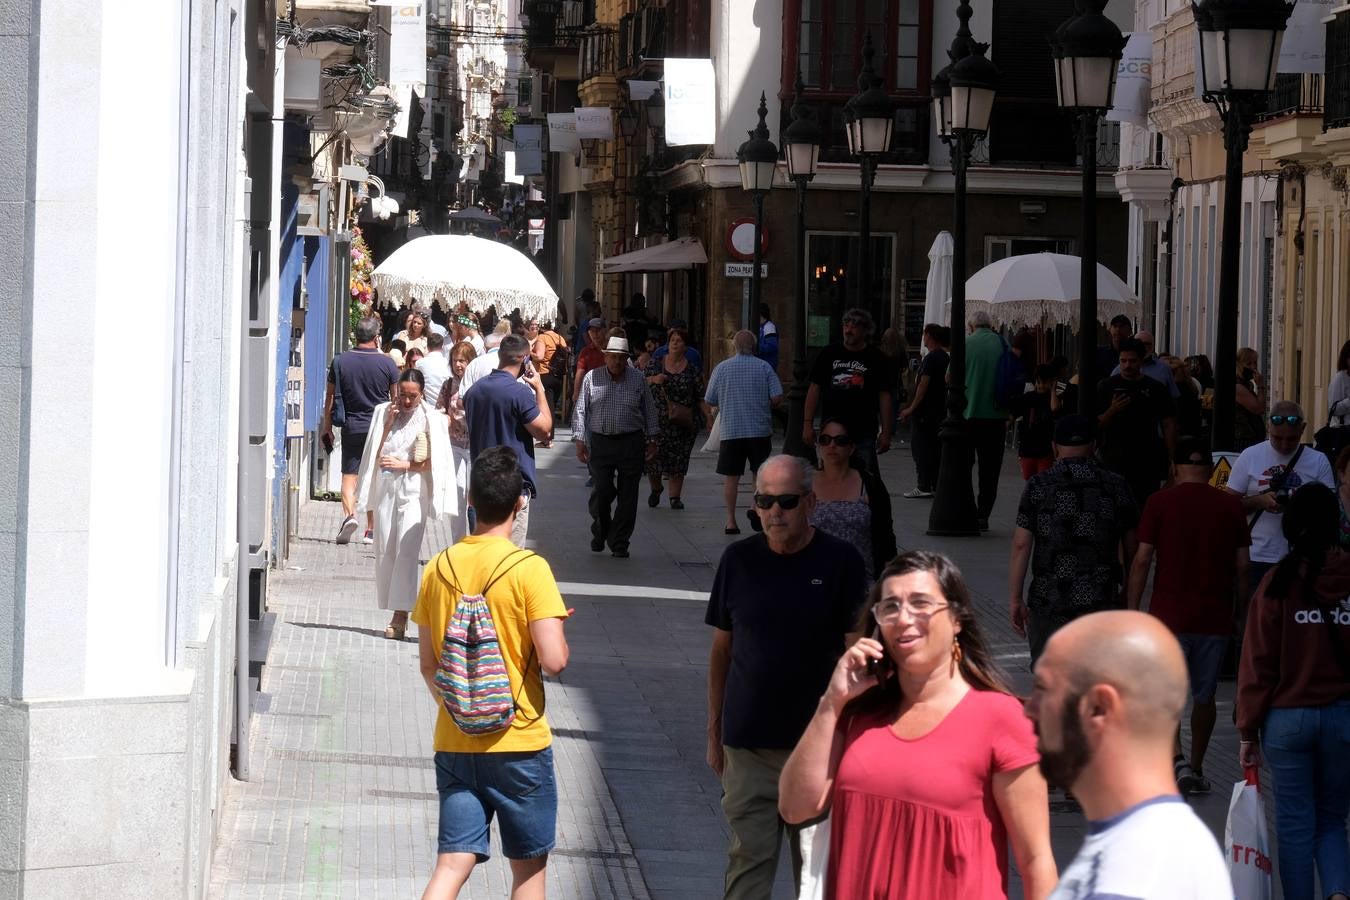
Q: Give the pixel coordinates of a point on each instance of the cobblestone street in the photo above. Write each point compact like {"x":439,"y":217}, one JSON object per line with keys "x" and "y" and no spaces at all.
{"x":342,"y":799}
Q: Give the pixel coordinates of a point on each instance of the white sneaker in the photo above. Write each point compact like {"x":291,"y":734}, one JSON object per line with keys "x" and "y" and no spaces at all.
{"x":916,"y":494}
{"x":346,"y":530}
{"x":368,"y":537}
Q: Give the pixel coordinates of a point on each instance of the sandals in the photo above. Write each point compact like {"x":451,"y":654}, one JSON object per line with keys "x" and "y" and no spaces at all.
{"x":676,"y":503}
{"x":654,"y":498}
{"x":732,"y":530}
{"x":395,"y":632}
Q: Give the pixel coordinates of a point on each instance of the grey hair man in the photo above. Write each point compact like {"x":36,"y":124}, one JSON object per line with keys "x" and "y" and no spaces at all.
{"x":853,"y":382}
{"x":811,"y":587}
{"x":358,"y":380}
{"x":744,"y":389}
{"x":507,"y":408}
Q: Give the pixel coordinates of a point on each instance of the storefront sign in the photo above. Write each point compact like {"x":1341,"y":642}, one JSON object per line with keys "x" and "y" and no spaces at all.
{"x":408,"y":45}
{"x":562,"y":133}
{"x":691,"y":102}
{"x":1134,"y":78}
{"x":595,"y":122}
{"x":528,"y":140}
{"x":746,"y":270}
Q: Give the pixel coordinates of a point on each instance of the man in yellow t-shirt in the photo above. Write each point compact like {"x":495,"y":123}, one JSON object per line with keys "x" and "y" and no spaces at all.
{"x":509,"y":773}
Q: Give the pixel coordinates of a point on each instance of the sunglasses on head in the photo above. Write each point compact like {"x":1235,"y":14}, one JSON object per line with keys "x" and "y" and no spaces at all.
{"x":784,"y":501}
{"x":839,"y":440}
{"x":1286,"y":420}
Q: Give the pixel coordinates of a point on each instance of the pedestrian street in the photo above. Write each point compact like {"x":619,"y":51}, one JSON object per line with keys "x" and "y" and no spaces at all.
{"x":342,"y":801}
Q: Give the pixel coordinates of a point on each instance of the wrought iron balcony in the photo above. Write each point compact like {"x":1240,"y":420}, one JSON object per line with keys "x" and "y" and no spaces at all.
{"x":642,"y":38}
{"x":555,"y":24}
{"x":597,"y":55}
{"x":1295,"y":95}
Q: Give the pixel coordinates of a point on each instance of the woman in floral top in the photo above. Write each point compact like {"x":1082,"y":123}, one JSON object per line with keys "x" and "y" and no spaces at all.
{"x":675,"y":382}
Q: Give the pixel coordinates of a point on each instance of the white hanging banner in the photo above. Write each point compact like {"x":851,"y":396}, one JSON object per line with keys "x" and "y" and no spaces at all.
{"x":528,"y":140}
{"x":473,"y":163}
{"x":641,"y":90}
{"x":1305,"y":38}
{"x":403,"y":93}
{"x":595,"y":122}
{"x":562,"y":133}
{"x":1134,"y":78}
{"x":408,"y":46}
{"x":691,"y":102}
{"x":513,"y":175}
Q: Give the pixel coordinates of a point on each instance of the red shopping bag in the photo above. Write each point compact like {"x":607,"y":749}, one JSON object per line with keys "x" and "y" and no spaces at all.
{"x":1246,"y":842}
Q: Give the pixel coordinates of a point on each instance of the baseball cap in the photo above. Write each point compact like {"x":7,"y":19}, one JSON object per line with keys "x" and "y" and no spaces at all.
{"x":1075,"y":431}
{"x":1192,"y":452}
{"x":596,"y":323}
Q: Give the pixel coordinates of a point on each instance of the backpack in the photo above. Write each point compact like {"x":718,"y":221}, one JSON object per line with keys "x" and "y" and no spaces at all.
{"x":1009,"y":379}
{"x":471,"y":673}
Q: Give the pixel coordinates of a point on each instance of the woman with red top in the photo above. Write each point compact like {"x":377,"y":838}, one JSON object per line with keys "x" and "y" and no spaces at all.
{"x":1294,"y":696}
{"x":928,"y":767}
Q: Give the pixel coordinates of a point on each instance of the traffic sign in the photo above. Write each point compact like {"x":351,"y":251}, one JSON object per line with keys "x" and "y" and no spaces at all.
{"x":746,"y":270}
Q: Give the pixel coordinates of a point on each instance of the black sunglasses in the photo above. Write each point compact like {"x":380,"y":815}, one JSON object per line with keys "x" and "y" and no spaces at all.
{"x":784,"y":501}
{"x":839,"y":440}
{"x":1286,"y":420}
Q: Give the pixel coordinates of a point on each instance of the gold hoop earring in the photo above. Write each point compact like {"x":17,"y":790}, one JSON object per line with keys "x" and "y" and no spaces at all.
{"x":956,"y":650}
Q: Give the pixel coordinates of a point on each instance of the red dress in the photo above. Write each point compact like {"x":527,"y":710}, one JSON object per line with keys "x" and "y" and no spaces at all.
{"x":917,"y":818}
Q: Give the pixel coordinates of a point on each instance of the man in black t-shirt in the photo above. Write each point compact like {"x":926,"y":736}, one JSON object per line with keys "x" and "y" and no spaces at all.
{"x":782,"y":606}
{"x":927,"y":411}
{"x":852,"y":384}
{"x":1137,"y":418}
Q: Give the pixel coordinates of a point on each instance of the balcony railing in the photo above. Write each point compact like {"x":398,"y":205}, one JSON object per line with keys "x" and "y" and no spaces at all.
{"x":641,"y":37}
{"x":1295,"y":95}
{"x":597,"y":53}
{"x":1338,"y":73}
{"x":909,"y":142}
{"x":555,"y":24}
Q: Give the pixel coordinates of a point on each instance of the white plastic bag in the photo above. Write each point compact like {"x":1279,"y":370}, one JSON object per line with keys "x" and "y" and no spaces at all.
{"x":815,"y":860}
{"x":1246,"y":843}
{"x":714,"y":436}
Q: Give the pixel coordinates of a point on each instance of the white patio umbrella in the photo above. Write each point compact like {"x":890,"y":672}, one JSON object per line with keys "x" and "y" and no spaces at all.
{"x":1042,"y":289}
{"x":449,"y":269}
{"x":939,"y":290}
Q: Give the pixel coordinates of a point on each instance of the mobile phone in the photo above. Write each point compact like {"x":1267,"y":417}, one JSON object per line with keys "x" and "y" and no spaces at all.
{"x":528,"y":371}
{"x":874,"y":665}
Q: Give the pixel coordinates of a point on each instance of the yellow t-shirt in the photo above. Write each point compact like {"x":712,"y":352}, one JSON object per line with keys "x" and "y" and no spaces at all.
{"x":525,"y":593}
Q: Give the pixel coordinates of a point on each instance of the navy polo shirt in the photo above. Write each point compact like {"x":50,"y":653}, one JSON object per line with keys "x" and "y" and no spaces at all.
{"x":497,"y":408}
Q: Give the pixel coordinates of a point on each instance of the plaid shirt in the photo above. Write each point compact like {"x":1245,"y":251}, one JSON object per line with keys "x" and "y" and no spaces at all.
{"x":609,"y":405}
{"x":742,"y":389}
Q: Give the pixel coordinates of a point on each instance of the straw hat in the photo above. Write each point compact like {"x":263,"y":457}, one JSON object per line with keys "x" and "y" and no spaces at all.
{"x":617,"y":345}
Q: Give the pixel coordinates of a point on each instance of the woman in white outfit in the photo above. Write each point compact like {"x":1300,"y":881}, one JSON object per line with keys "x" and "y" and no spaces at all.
{"x":406,"y":477}
{"x":452,"y":404}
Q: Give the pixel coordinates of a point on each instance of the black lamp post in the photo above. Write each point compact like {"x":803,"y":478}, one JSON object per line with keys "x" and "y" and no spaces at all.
{"x":801,"y":150}
{"x":1087,"y":50}
{"x":869,"y":119}
{"x":759,"y":161}
{"x":963,"y":98}
{"x":1239,"y":50}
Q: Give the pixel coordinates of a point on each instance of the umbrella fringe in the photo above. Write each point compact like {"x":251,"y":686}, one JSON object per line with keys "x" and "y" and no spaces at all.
{"x":1016,"y":313}
{"x":395,"y":291}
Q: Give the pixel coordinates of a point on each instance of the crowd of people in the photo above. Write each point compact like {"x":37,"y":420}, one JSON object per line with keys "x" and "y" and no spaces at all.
{"x":894,"y":725}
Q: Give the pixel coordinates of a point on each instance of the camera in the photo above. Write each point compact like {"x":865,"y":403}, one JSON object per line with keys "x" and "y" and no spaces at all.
{"x":1279,"y":486}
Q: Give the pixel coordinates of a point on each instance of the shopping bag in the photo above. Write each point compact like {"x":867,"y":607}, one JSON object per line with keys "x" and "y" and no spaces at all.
{"x":815,"y":860}
{"x":1245,"y":841}
{"x":714,"y":436}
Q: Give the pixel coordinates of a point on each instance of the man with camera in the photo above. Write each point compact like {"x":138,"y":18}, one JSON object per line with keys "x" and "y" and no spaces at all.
{"x":1266,"y":474}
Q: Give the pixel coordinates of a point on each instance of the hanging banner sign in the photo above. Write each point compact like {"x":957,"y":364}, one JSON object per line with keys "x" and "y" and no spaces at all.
{"x":1134,"y":78}
{"x":528,"y":140}
{"x":562,"y":133}
{"x":1305,"y":38}
{"x":408,"y":45}
{"x":595,"y":122}
{"x":512,"y":174}
{"x":691,"y":102}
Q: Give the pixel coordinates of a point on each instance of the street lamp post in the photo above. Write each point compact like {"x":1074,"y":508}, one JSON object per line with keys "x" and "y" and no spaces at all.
{"x":801,"y":151}
{"x":869,"y":119}
{"x":758,"y":159}
{"x":963,"y":98}
{"x":1087,"y":50}
{"x":1239,"y":49}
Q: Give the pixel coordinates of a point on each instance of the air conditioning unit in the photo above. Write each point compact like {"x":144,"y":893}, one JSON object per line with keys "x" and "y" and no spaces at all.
{"x":304,"y":82}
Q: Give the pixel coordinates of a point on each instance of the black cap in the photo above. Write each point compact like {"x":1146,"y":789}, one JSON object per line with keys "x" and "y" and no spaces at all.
{"x":1192,"y":452}
{"x":1075,"y":431}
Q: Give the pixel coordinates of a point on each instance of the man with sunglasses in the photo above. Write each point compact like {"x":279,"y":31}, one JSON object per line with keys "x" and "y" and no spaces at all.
{"x":1266,"y":474}
{"x":781,"y":606}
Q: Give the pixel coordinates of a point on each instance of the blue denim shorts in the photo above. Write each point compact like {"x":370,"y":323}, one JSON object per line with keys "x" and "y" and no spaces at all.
{"x":517,"y":787}
{"x":1204,"y":655}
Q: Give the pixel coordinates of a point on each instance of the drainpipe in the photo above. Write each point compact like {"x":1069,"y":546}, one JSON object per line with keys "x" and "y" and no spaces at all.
{"x":1168,"y":238}
{"x":179,"y":342}
{"x":242,"y":699}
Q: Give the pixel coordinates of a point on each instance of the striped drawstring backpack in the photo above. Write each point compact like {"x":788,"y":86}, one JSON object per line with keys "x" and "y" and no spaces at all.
{"x":471,"y":673}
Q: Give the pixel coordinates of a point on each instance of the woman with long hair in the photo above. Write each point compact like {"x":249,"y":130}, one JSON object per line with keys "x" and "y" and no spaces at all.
{"x":406,"y":478}
{"x":1293,"y":702}
{"x":851,"y":503}
{"x":921,"y":755}
{"x":452,"y":404}
{"x":414,"y":333}
{"x":675,"y":382}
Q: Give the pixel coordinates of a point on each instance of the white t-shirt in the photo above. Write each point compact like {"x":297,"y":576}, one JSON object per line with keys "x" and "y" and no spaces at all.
{"x":479,"y":367}
{"x":1251,"y":475}
{"x":1158,"y":850}
{"x":435,"y":370}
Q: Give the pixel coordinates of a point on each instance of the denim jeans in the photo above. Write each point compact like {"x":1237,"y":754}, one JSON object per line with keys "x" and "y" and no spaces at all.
{"x":1308,"y":751}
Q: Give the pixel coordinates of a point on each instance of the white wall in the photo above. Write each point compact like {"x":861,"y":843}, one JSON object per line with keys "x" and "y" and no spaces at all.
{"x":747,"y":52}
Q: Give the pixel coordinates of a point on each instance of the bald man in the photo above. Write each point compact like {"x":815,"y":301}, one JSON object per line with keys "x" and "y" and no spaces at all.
{"x":1108,"y":693}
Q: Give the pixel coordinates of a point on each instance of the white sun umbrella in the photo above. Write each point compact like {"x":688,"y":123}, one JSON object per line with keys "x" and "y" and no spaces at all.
{"x":939,"y":289}
{"x":449,"y":269}
{"x":1042,"y":289}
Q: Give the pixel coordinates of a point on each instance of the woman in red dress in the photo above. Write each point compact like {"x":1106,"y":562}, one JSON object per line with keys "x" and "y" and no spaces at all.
{"x":928,"y":767}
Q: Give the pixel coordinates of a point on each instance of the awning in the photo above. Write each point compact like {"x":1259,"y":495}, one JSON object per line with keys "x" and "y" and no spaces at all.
{"x":684,"y":253}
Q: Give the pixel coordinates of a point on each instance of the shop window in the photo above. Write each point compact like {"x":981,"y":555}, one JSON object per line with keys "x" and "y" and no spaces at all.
{"x":831,"y":260}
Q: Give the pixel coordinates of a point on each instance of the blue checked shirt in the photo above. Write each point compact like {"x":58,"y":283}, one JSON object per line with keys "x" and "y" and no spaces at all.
{"x":742,"y":388}
{"x":609,"y":405}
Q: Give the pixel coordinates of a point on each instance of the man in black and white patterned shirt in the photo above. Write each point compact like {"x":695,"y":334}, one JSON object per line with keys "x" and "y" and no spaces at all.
{"x":614,"y":429}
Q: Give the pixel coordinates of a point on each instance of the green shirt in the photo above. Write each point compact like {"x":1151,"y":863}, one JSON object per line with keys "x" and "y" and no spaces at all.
{"x":984,"y":349}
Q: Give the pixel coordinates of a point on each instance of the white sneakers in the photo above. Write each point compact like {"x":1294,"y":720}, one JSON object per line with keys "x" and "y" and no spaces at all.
{"x":346,"y":530}
{"x":916,"y":494}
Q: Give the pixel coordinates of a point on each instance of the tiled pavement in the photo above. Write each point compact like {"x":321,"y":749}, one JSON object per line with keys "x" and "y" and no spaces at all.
{"x":342,"y":797}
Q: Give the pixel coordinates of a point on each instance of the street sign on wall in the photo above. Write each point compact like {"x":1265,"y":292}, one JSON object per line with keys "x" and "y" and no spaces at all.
{"x":746,"y":270}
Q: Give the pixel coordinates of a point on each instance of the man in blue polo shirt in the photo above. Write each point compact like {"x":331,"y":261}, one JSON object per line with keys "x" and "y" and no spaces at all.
{"x":508,"y":408}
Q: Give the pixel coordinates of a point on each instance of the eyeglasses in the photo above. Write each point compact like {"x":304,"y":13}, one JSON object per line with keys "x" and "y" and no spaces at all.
{"x":839,"y":440}
{"x":1286,"y":420}
{"x":887,"y":611}
{"x":785,"y":501}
